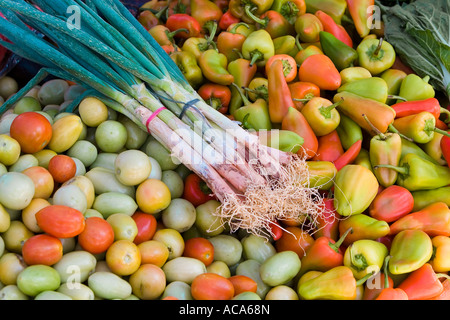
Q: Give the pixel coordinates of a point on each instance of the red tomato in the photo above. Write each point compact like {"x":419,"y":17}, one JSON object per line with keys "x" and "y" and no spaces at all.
{"x":199,"y":248}
{"x":295,"y":239}
{"x":42,"y":249}
{"x":242,"y":283}
{"x":62,"y":168}
{"x":60,"y":221}
{"x":211,"y":286}
{"x":146,"y":224}
{"x":97,"y":236}
{"x":32,"y":130}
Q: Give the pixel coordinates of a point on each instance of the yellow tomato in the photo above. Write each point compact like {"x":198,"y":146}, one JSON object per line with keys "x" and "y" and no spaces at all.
{"x":43,"y":181}
{"x":44,"y":157}
{"x":123,"y":257}
{"x":66,"y":131}
{"x":123,"y":225}
{"x":93,"y":111}
{"x":86,"y":185}
{"x":154,"y":252}
{"x":9,"y":150}
{"x":29,"y":214}
{"x":153,"y":196}
{"x":132,"y":167}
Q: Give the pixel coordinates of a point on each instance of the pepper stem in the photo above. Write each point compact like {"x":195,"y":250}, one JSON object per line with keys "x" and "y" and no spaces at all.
{"x":255,"y":55}
{"x":263,"y":22}
{"x":401,"y":170}
{"x":297,"y":42}
{"x":237,"y":25}
{"x":394,"y":130}
{"x":335,"y":246}
{"x":244,"y":98}
{"x":447,"y":113}
{"x":211,"y":26}
{"x":172,"y":34}
{"x":377,"y":50}
{"x":442,"y":275}
{"x":385,"y":268}
{"x":393,"y":96}
{"x":443,"y":132}
{"x":326,"y":111}
{"x":364,"y":279}
{"x":379,"y":133}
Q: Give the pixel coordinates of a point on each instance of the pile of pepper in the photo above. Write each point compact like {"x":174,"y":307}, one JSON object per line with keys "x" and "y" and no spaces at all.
{"x":311,"y":77}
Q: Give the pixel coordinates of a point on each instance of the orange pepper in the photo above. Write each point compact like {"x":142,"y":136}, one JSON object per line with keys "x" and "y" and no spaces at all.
{"x":289,"y":65}
{"x":330,"y":147}
{"x":295,"y":121}
{"x":329,"y":25}
{"x":320,"y":70}
{"x":423,"y":283}
{"x":280,"y":100}
{"x":302,"y":92}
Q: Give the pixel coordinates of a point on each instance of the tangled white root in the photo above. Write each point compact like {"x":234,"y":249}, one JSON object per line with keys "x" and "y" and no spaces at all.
{"x":285,"y":197}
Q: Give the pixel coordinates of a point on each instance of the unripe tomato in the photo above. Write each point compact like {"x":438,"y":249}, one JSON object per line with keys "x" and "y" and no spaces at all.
{"x":154,"y":252}
{"x":42,"y":249}
{"x":60,"y":221}
{"x":295,"y":240}
{"x":211,"y":286}
{"x":97,"y":235}
{"x":32,"y":130}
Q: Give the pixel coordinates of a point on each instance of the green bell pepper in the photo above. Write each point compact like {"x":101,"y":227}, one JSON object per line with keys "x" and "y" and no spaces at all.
{"x":410,"y":249}
{"x":340,"y":53}
{"x":187,"y":63}
{"x":365,"y":257}
{"x":258,"y":48}
{"x":375,"y":55}
{"x":414,"y":88}
{"x":374,"y":88}
{"x":416,"y":173}
{"x":349,"y":131}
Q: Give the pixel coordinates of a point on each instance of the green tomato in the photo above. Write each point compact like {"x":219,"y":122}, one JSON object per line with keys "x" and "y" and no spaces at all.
{"x":132,"y":167}
{"x":27,"y":104}
{"x":227,"y":249}
{"x":85,"y":151}
{"x":38,"y":278}
{"x":280,"y":268}
{"x":206,"y":222}
{"x":178,"y":289}
{"x":157,"y":151}
{"x":179,"y":215}
{"x":16,"y":190}
{"x":111,"y":136}
{"x":174,"y":182}
{"x":52,"y":92}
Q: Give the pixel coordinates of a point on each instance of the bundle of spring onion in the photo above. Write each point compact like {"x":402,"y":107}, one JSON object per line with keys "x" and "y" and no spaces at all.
{"x":118,"y":61}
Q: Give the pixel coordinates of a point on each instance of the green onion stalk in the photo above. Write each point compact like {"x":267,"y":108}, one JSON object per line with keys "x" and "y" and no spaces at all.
{"x":118,"y":61}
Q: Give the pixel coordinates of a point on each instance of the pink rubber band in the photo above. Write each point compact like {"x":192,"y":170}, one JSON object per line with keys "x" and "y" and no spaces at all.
{"x":153,"y":116}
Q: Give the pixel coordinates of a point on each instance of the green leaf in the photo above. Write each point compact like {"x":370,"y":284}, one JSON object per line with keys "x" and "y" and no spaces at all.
{"x":420,"y":34}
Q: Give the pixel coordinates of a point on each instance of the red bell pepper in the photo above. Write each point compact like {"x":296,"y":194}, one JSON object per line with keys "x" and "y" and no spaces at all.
{"x":302,"y":92}
{"x":227,"y":20}
{"x":204,"y":11}
{"x":349,"y":155}
{"x":391,"y":204}
{"x":434,"y":220}
{"x":216,"y":95}
{"x":196,"y":191}
{"x":423,"y":283}
{"x":431,"y":105}
{"x":327,"y":224}
{"x":330,"y":147}
{"x":275,"y":230}
{"x":445,"y":295}
{"x":445,"y":147}
{"x":324,"y":254}
{"x":184,"y":21}
{"x":329,"y":25}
